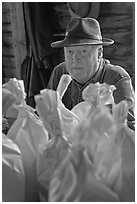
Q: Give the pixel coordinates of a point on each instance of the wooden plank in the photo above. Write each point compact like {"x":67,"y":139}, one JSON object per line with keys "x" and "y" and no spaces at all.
{"x":6,"y":7}
{"x":21,"y":31}
{"x":18,"y":31}
{"x":8,"y":61}
{"x":6,"y":18}
{"x":9,"y":41}
{"x":9,"y":67}
{"x":7,"y":51}
{"x":13,"y":37}
{"x":6,"y":30}
{"x":9,"y":73}
{"x":117,"y":23}
{"x":120,"y":8}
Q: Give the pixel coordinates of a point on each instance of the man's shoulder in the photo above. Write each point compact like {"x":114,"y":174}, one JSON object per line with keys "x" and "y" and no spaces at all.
{"x":61,"y":68}
{"x":115,"y":69}
{"x":114,"y":73}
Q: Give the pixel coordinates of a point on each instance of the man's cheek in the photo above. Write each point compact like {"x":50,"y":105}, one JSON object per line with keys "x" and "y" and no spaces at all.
{"x":68,"y":65}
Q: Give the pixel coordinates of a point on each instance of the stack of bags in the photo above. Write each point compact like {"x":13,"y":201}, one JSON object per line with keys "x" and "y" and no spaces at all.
{"x":28,"y":136}
{"x":101,"y":164}
{"x":13,"y":178}
{"x":83,"y":155}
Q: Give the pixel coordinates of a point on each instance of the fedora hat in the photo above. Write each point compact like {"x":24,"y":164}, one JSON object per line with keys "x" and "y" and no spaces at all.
{"x":84,"y":9}
{"x":82,"y":31}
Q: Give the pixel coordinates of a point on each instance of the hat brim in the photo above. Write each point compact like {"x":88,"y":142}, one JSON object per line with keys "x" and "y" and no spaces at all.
{"x":68,"y":42}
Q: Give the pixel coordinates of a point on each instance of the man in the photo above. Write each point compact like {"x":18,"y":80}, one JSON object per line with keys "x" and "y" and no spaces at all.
{"x":83,"y":48}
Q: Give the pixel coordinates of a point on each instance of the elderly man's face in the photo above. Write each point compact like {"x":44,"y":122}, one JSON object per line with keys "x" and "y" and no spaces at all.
{"x":82,"y":62}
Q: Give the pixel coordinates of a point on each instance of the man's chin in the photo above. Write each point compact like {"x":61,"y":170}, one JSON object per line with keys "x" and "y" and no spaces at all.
{"x":79,"y":79}
{"x":78,"y":75}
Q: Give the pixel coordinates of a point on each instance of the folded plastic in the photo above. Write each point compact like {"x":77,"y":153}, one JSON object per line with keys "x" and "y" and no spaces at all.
{"x":8,"y":99}
{"x":55,"y":115}
{"x":13,"y":177}
{"x":94,"y":95}
{"x":54,"y":152}
{"x":110,"y":148}
{"x":30,"y":135}
{"x":17,"y":88}
{"x":74,"y":181}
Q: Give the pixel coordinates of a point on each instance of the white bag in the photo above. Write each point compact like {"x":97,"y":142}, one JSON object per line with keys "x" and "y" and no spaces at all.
{"x":29,"y":134}
{"x":13,"y":178}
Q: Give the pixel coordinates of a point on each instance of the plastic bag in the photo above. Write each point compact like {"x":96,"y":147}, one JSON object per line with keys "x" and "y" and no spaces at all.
{"x":69,"y":119}
{"x":8,"y":98}
{"x":17,"y":125}
{"x":13,"y":178}
{"x":46,"y":106}
{"x":74,"y":181}
{"x":114,"y":158}
{"x":57,"y":148}
{"x":29,"y":134}
{"x":81,"y":110}
{"x":94,"y":95}
{"x":109,"y":145}
{"x":55,"y":113}
{"x":51,"y":156}
{"x":17,"y":88}
{"x":99,"y":94}
{"x":63,"y":84}
{"x":126,"y":138}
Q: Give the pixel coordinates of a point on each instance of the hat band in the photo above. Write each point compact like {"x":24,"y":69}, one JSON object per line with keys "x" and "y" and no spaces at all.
{"x":83,"y":36}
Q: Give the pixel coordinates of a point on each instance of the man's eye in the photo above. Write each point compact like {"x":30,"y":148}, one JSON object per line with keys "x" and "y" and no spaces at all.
{"x":83,"y":51}
{"x":69,"y":51}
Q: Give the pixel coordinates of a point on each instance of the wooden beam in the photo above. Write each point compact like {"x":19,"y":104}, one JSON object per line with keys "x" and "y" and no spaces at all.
{"x":8,"y":61}
{"x":18,"y":32}
{"x":8,"y":73}
{"x":7,"y":51}
{"x":13,"y":38}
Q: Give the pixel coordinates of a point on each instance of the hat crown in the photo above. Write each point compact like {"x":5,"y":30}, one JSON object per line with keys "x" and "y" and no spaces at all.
{"x":82,"y":31}
{"x":87,"y":28}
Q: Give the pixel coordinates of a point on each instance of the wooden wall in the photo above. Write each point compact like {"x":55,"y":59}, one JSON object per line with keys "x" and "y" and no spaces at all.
{"x":117,"y":20}
{"x":13,"y":40}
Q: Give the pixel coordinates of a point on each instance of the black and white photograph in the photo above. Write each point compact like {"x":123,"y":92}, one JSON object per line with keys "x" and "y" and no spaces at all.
{"x":68,"y":101}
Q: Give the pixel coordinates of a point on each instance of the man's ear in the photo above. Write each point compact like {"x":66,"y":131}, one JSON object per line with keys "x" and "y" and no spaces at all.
{"x":100,"y":53}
